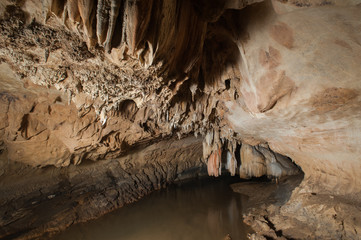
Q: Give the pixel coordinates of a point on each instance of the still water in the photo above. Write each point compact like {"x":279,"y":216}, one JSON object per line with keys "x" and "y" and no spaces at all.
{"x":194,"y":210}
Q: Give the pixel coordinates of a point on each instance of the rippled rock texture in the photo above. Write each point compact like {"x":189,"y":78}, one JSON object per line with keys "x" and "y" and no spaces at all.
{"x":259,"y":82}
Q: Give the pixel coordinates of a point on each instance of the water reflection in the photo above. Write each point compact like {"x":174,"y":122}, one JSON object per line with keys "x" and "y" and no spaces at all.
{"x":201,"y":209}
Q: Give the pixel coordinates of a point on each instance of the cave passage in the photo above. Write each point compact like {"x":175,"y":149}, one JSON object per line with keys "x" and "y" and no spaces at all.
{"x":195,"y":209}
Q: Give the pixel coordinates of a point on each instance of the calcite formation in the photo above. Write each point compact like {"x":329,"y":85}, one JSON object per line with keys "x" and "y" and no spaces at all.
{"x":264,"y":84}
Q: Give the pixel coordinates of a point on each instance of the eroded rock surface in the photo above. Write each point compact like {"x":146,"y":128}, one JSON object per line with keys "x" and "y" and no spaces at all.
{"x":259,"y":82}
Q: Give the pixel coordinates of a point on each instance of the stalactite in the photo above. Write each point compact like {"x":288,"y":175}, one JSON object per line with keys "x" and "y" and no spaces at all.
{"x":276,"y":166}
{"x":231,"y":165}
{"x":57,"y":7}
{"x":46,"y":9}
{"x":73,"y":11}
{"x":214,"y":163}
{"x":86,"y":10}
{"x":253,"y":162}
{"x":159,"y":32}
{"x":212,"y":151}
{"x":102,"y":20}
{"x":114,"y":11}
{"x":143,"y":46}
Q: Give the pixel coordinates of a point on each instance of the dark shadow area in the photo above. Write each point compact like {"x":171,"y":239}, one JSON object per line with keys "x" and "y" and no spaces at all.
{"x":128,"y":108}
{"x":118,"y":36}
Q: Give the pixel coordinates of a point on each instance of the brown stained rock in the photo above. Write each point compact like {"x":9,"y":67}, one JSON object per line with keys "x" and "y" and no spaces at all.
{"x":270,"y":59}
{"x":343,"y":44}
{"x":214,"y":163}
{"x":331,"y":99}
{"x":44,"y":123}
{"x":30,"y":127}
{"x":271,"y":88}
{"x":316,"y":122}
{"x":282,"y":34}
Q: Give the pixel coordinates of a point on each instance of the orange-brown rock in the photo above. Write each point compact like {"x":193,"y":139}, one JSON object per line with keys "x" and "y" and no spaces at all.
{"x":303,"y":99}
{"x":262,"y":83}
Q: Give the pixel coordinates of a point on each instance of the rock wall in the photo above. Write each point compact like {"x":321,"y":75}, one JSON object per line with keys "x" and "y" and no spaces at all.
{"x":46,"y":122}
{"x":260,"y":82}
{"x":301,"y":90}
